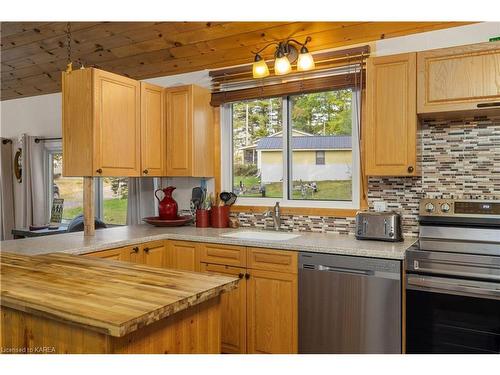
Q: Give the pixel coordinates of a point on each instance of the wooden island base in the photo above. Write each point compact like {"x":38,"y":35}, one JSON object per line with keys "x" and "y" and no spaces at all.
{"x":194,"y":330}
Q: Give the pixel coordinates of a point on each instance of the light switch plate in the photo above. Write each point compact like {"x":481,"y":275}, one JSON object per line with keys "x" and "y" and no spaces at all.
{"x":380,"y":206}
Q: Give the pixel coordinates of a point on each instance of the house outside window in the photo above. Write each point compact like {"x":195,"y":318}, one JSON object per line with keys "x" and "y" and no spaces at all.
{"x":320,"y":157}
{"x":293,"y":149}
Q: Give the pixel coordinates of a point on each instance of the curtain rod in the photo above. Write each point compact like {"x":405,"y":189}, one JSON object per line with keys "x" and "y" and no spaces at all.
{"x":38,"y":140}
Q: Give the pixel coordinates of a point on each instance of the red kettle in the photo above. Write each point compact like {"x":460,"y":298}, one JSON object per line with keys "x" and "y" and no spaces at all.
{"x":167,"y":207}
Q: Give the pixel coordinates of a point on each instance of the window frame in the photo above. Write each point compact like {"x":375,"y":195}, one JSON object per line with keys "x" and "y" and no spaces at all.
{"x":322,"y":159}
{"x":227,"y":161}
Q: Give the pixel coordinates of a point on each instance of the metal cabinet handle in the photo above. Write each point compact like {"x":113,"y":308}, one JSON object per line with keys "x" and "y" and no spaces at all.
{"x":247,"y":276}
{"x":146,"y":249}
{"x":410,"y":169}
{"x":486,"y":105}
{"x":145,"y":171}
{"x":136,"y":249}
{"x":240,"y":275}
{"x":99,"y":170}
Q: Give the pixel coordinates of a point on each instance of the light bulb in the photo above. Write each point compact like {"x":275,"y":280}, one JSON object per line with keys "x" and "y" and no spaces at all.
{"x":305,"y":61}
{"x":282,"y":66}
{"x":259,"y":68}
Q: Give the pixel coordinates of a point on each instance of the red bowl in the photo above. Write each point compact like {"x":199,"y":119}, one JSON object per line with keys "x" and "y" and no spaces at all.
{"x":157,"y":222}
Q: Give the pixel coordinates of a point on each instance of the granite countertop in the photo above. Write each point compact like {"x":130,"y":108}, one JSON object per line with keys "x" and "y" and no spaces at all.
{"x":77,"y":243}
{"x":107,"y":296}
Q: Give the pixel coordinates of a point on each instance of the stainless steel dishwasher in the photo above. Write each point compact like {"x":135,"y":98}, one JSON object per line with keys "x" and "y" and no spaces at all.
{"x":349,"y":304}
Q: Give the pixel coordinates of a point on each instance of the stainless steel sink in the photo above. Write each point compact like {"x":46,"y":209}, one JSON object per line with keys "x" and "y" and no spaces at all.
{"x":262,"y":236}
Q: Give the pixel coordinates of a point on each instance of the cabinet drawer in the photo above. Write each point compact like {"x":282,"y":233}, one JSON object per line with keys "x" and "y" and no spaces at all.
{"x":272,"y":260}
{"x":223,"y":254}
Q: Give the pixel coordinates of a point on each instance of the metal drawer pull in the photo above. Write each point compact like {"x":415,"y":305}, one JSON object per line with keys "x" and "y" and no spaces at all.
{"x":459,"y":286}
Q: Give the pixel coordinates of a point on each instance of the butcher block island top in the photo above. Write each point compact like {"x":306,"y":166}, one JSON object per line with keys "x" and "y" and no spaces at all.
{"x":106,"y":297}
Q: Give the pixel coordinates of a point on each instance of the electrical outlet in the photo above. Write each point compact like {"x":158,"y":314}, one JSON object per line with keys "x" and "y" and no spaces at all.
{"x":380,"y":206}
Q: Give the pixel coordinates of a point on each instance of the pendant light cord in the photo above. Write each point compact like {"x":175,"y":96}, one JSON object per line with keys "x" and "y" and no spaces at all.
{"x":69,"y":64}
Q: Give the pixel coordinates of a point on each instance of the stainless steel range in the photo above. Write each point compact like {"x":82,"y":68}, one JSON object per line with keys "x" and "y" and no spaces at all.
{"x":453,"y":278}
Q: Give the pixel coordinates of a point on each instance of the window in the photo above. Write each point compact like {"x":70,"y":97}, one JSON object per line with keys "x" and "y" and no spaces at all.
{"x":293,"y":149}
{"x":68,"y":188}
{"x":111,"y":193}
{"x":320,"y":157}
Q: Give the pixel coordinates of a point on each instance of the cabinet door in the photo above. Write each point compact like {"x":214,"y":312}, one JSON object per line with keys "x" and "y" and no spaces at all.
{"x":182,"y":255}
{"x":114,"y":254}
{"x":117,"y":125}
{"x":153,"y":137}
{"x":391,"y":124}
{"x":272,"y":312}
{"x":154,"y":253}
{"x":233,"y":310}
{"x":134,"y":254}
{"x":180,"y":131}
{"x":459,"y":78}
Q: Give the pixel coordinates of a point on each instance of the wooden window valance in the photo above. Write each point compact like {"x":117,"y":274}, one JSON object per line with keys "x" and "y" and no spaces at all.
{"x":334,"y":70}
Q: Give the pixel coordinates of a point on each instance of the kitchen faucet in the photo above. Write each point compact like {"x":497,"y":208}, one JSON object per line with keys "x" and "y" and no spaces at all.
{"x":275,"y":213}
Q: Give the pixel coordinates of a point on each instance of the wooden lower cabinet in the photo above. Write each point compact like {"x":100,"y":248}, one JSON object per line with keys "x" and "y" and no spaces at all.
{"x":151,"y":253}
{"x":114,"y":254}
{"x":233,"y":310}
{"x":260,"y":316}
{"x":154,"y":253}
{"x":182,"y":255}
{"x":272,"y":312}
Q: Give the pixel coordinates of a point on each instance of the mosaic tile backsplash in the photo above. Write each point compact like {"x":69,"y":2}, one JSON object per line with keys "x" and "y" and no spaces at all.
{"x":459,"y":160}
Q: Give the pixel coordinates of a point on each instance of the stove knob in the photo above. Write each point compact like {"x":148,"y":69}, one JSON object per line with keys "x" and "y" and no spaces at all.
{"x":429,"y":207}
{"x":445,"y":207}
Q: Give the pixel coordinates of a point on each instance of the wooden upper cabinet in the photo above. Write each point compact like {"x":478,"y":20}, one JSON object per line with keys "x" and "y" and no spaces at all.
{"x":190,"y":146}
{"x":391,"y":118}
{"x":459,"y":79}
{"x":153,"y":131}
{"x":101,"y":124}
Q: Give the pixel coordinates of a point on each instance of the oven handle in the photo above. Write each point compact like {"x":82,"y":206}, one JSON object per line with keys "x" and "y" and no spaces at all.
{"x":416,"y":266}
{"x":470,"y":288}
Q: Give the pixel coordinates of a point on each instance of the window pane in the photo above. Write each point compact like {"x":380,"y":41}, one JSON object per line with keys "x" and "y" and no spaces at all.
{"x":68,"y":188}
{"x":115,"y":197}
{"x":257,"y":148}
{"x":321,"y":127}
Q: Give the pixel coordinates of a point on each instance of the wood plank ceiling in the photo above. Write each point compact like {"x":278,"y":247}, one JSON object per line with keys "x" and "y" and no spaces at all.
{"x":34,"y":53}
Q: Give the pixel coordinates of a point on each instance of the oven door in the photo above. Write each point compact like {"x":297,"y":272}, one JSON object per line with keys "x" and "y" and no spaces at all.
{"x":447,"y":315}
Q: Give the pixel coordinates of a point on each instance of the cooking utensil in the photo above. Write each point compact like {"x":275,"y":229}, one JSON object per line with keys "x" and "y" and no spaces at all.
{"x":225,"y":196}
{"x":232,"y":199}
{"x":197,"y":196}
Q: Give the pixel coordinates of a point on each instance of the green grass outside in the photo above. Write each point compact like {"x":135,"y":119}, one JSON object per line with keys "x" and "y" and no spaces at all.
{"x":327,"y":190}
{"x":115,"y":211}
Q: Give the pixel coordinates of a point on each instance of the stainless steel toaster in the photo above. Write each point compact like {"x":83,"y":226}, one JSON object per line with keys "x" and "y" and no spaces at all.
{"x":382,"y":226}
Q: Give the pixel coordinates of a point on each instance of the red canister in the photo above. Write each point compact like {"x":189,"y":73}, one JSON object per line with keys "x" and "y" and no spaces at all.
{"x":202,"y":218}
{"x":220,"y":216}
